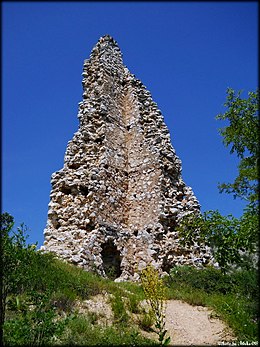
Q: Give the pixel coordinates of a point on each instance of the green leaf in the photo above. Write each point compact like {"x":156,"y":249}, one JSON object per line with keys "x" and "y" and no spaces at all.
{"x":167,"y":341}
{"x":162,"y":334}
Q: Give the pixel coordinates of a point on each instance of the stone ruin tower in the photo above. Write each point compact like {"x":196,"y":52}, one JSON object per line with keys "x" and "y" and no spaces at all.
{"x":115,"y":204}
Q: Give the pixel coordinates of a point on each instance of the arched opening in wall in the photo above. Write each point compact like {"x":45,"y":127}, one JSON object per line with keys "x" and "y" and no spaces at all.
{"x":111,"y":260}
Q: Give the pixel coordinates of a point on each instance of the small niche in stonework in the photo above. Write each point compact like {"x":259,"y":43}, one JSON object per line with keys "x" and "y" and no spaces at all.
{"x":84,"y":190}
{"x":74,"y":166}
{"x":65,"y":190}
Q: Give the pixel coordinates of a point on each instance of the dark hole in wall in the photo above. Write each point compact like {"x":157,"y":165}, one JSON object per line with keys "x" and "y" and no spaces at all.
{"x":65,"y":190}
{"x":88,"y":227}
{"x":166,"y":266}
{"x":159,"y":237}
{"x":111,"y":260}
{"x":55,"y":220}
{"x":56,"y":224}
{"x":83,"y":190}
{"x":98,"y":140}
{"x":74,"y":166}
{"x":172,"y":227}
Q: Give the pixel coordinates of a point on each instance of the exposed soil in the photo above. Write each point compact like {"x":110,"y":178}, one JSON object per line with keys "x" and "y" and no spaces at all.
{"x":187,"y":325}
{"x":194,"y":325}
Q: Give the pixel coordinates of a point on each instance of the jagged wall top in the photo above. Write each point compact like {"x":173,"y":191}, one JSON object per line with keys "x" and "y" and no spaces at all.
{"x":105,"y":57}
{"x":107,"y":48}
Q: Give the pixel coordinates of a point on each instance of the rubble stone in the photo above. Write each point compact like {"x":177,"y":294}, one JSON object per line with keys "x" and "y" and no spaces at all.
{"x":116,"y":202}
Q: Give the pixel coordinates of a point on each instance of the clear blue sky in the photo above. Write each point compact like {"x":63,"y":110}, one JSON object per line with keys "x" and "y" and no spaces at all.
{"x":185,"y":53}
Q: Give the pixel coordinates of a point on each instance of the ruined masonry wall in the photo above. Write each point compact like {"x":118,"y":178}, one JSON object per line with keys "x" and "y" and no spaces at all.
{"x":118,"y":198}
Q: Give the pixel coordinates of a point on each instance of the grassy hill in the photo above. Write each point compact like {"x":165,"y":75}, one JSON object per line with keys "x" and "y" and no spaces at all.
{"x":48,"y":307}
{"x":45,"y":301}
{"x":45,"y":309}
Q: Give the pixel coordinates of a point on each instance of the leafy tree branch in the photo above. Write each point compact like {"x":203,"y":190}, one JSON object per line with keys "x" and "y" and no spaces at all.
{"x":242,"y":134}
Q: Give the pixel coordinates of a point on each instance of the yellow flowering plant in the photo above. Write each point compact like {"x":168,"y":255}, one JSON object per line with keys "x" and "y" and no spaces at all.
{"x":155,"y":294}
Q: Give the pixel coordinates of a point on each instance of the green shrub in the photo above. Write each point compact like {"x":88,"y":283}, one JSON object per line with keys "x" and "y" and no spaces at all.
{"x":208,"y":279}
{"x":35,"y":322}
{"x":133,"y":303}
{"x":146,"y":320}
{"x":212,"y":280}
{"x":64,"y":301}
{"x":81,"y":332}
{"x":118,"y":308}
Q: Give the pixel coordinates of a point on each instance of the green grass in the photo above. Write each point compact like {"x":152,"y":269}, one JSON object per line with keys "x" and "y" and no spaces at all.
{"x":80,"y":331}
{"x":119,"y":310}
{"x":47,"y":273}
{"x":234,"y":297}
{"x":42,"y":310}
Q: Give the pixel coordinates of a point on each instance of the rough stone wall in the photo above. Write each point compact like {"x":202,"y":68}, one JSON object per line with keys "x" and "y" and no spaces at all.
{"x":118,"y":198}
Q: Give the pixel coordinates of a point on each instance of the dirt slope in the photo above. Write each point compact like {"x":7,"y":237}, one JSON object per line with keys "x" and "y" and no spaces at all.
{"x":187,"y":325}
{"x":194,"y":325}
